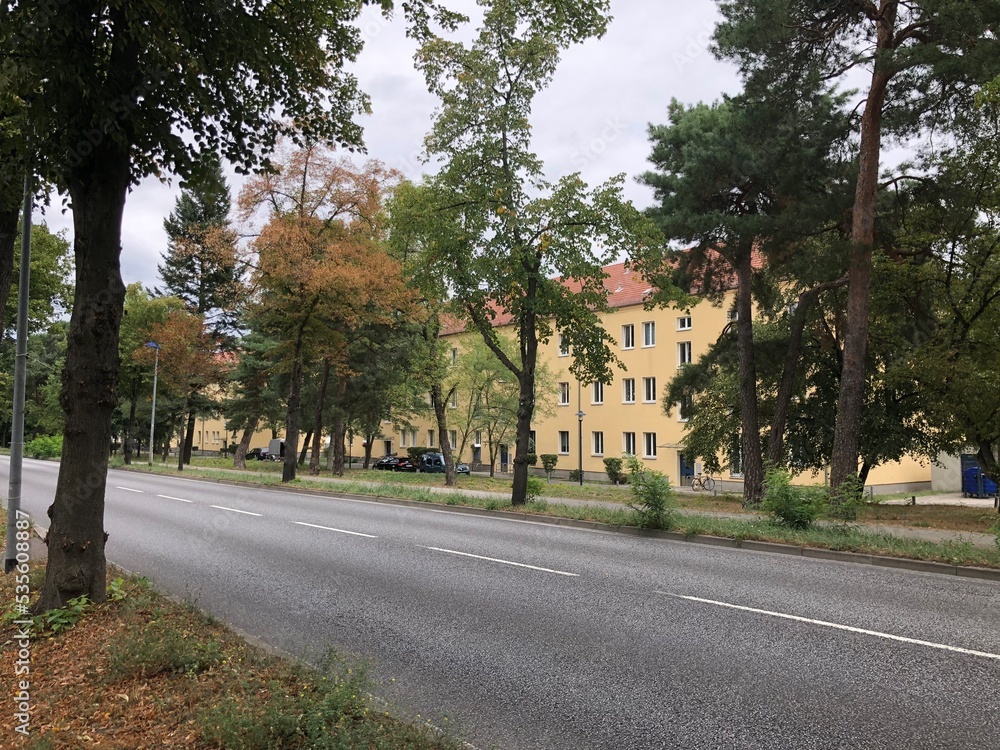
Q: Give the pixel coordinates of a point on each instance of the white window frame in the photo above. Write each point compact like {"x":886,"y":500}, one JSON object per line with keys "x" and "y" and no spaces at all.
{"x":597,"y":392}
{"x":684,"y":323}
{"x":628,"y":443}
{"x":453,"y":439}
{"x":649,"y":445}
{"x":564,"y":442}
{"x":628,"y":384}
{"x":453,"y":401}
{"x":648,"y":334}
{"x":597,"y":442}
{"x":732,"y":315}
{"x":563,"y":345}
{"x":564,"y":394}
{"x":685,"y":353}
{"x":628,"y":336}
{"x":648,"y":388}
{"x":430,"y":438}
{"x":403,"y":434}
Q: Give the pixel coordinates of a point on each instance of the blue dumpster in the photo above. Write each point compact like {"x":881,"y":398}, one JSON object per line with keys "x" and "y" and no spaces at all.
{"x":977,"y":484}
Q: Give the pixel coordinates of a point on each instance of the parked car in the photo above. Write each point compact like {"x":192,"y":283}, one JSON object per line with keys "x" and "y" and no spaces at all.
{"x":405,"y":464}
{"x":386,"y":463}
{"x":257,"y":454}
{"x":463,"y":469}
{"x":432,"y":463}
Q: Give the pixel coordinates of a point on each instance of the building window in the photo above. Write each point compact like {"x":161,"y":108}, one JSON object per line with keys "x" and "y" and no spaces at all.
{"x":628,"y":443}
{"x":684,"y":323}
{"x":628,"y":391}
{"x":564,"y":394}
{"x":563,"y":345}
{"x":531,"y":441}
{"x":598,"y":393}
{"x":732,"y":314}
{"x":563,"y":441}
{"x":649,"y":334}
{"x":683,"y":353}
{"x":402,"y":438}
{"x":453,"y":439}
{"x":598,"y":443}
{"x":735,"y":456}
{"x":649,"y":390}
{"x":649,"y":444}
{"x":454,"y":356}
{"x":430,"y":438}
{"x":413,"y":438}
{"x":684,"y":407}
{"x":628,"y":336}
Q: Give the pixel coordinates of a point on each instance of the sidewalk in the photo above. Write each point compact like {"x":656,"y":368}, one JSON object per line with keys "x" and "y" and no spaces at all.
{"x":927,"y":535}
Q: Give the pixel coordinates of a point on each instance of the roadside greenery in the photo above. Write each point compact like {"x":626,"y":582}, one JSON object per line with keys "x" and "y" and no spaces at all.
{"x":795,"y":507}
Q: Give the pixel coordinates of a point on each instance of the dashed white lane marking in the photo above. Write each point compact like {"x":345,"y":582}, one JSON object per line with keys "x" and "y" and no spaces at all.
{"x":330,"y":528}
{"x":505,"y":562}
{"x":129,"y":489}
{"x":234,"y":510}
{"x":171,"y":497}
{"x":848,"y":628}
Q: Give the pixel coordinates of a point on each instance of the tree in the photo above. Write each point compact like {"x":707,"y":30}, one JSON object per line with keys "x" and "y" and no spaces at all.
{"x":322,"y":271}
{"x":926,"y":59}
{"x":494,"y":228}
{"x":254,"y":391}
{"x":116,"y":92}
{"x":745,"y":183}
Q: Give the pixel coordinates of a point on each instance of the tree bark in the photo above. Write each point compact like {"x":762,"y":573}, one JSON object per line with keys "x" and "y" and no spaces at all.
{"x":185,"y":432}
{"x":438,"y":401}
{"x":188,"y":441}
{"x":240,"y":457}
{"x":305,"y":447}
{"x":292,"y":419}
{"x":76,"y":561}
{"x":525,"y":408}
{"x":338,"y":431}
{"x":8,"y":241}
{"x":850,"y":401}
{"x":317,"y":431}
{"x":753,"y":469}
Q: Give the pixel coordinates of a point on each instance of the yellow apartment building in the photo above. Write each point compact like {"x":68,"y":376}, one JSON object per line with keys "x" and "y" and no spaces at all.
{"x":625,"y":416}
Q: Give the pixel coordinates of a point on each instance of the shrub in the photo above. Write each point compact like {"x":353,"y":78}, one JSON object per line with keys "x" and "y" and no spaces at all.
{"x":160,"y":648}
{"x":846,"y":501}
{"x":535,"y":487}
{"x":532,"y":459}
{"x":45,"y":446}
{"x":613,"y":468}
{"x":574,"y":475}
{"x":549,"y":461}
{"x":418,"y":453}
{"x":796,"y":507}
{"x":652,"y":496}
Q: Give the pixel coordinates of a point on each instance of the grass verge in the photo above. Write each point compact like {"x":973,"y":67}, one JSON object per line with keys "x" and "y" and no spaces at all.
{"x":141,"y":671}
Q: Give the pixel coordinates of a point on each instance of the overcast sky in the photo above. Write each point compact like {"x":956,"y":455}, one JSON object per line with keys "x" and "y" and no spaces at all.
{"x":592,"y":119}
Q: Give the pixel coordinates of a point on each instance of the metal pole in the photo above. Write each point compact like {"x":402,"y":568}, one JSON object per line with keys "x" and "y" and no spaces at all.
{"x":152,"y":419}
{"x":20,"y":369}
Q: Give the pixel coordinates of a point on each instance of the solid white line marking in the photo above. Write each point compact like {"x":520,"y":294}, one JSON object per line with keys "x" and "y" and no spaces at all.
{"x":171,"y":497}
{"x":834,"y":625}
{"x":233,"y":510}
{"x":505,"y":562}
{"x":339,"y":531}
{"x":129,"y":489}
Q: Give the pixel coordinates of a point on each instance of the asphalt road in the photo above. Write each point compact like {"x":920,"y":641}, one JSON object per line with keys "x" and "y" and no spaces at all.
{"x":523,"y":635}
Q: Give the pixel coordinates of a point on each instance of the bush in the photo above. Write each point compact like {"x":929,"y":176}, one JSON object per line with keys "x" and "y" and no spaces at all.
{"x":795,"y":507}
{"x":574,"y":475}
{"x":535,"y":487}
{"x":845,"y":502}
{"x":613,"y":468}
{"x":418,"y":453}
{"x":45,"y":446}
{"x":532,"y":459}
{"x":653,"y":497}
{"x":549,"y":461}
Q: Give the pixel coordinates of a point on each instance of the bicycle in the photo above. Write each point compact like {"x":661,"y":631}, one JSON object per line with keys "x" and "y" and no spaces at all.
{"x":703,"y":482}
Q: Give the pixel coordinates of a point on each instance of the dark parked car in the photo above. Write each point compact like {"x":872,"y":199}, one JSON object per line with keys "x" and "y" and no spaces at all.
{"x":405,"y":464}
{"x":432,"y":463}
{"x":386,"y":463}
{"x":463,"y":469}
{"x":257,"y":454}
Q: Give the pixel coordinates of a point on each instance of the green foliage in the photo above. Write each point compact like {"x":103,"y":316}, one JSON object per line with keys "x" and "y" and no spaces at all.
{"x":796,"y":507}
{"x":847,"y":500}
{"x":532,"y":459}
{"x":416,"y":452}
{"x":574,"y":475}
{"x":613,"y":467}
{"x":159,"y":648}
{"x":652,"y":496}
{"x":535,"y":488}
{"x":59,"y":620}
{"x":46,"y":446}
{"x":549,"y":461}
{"x":117,"y":591}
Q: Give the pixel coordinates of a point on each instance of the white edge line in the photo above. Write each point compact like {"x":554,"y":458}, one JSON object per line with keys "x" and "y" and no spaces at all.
{"x":848,"y":628}
{"x":339,"y":531}
{"x":128,"y":489}
{"x":171,"y":497}
{"x":505,"y":562}
{"x":234,"y":510}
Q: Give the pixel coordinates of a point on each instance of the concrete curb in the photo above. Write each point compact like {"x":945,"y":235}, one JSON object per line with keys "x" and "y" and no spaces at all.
{"x":749,"y":545}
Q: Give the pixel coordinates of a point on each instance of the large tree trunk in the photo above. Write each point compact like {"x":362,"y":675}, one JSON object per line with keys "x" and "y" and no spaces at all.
{"x":129,"y":429}
{"x":76,"y":562}
{"x":185,"y":435}
{"x":292,"y":419}
{"x":188,"y":441}
{"x":753,"y":469}
{"x":847,"y":434}
{"x":8,"y":241}
{"x":438,"y":401}
{"x":305,"y":447}
{"x":240,"y":457}
{"x":317,"y":430}
{"x":338,"y":431}
{"x":525,"y":410}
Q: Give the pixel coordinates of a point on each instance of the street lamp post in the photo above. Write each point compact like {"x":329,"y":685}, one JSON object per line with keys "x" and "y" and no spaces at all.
{"x":152,"y":420}
{"x":580,"y":415}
